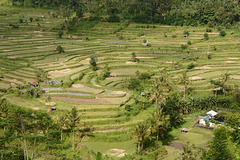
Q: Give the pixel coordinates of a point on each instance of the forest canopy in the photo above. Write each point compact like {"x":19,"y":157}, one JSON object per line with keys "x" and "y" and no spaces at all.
{"x":172,"y":12}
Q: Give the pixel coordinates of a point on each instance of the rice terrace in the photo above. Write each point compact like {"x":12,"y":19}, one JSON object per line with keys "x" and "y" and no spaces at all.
{"x":103,"y":84}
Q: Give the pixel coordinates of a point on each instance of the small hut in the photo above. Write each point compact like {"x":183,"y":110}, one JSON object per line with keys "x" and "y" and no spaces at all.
{"x":42,"y":30}
{"x":53,"y":108}
{"x":2,"y":36}
{"x":185,"y":130}
{"x":70,"y":36}
{"x":145,"y":44}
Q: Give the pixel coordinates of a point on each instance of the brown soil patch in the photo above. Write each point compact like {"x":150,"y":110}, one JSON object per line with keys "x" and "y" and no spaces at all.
{"x":144,"y":57}
{"x":116,"y":152}
{"x":77,"y":86}
{"x":61,"y":71}
{"x":81,"y":100}
{"x":229,"y":61}
{"x":232,"y":58}
{"x":16,"y":81}
{"x":129,"y":62}
{"x":176,"y":145}
{"x":35,"y":108}
{"x":204,"y":67}
{"x":13,"y":57}
{"x":168,"y":62}
{"x":195,"y":78}
{"x":118,"y":92}
{"x":50,"y":104}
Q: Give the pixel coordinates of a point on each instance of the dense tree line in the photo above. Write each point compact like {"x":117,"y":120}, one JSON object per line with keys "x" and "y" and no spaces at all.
{"x":171,"y":12}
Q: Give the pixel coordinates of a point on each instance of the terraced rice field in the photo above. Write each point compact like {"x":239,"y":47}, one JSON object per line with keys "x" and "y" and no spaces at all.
{"x":23,"y":51}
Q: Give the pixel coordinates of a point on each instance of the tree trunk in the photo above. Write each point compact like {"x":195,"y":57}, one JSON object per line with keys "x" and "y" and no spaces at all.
{"x":157,"y":134}
{"x":139,"y":146}
{"x":34,"y":144}
{"x":142,"y":143}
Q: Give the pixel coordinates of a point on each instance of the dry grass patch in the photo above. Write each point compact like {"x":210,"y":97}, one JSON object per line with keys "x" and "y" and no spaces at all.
{"x":81,"y":100}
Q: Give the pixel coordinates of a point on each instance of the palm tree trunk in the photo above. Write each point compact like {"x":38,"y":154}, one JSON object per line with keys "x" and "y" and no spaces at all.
{"x":157,"y":134}
{"x":139,"y":145}
{"x":142,"y":143}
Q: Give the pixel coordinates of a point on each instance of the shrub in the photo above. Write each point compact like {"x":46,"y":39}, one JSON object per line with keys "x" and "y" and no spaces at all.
{"x":206,"y":36}
{"x":13,"y":26}
{"x":143,"y":76}
{"x":209,"y":56}
{"x":36,"y":19}
{"x":20,"y":20}
{"x":186,"y":33}
{"x":190,"y":66}
{"x":144,"y":41}
{"x":59,"y":49}
{"x":189,"y":43}
{"x":140,"y":34}
{"x":60,"y":33}
{"x":93,"y":63}
{"x":214,"y":48}
{"x":184,"y":46}
{"x":31,"y":19}
{"x":134,"y":59}
{"x":222,"y":33}
{"x":87,"y":39}
{"x":113,"y":18}
{"x":165,"y":35}
{"x":174,"y":36}
{"x":208,"y":30}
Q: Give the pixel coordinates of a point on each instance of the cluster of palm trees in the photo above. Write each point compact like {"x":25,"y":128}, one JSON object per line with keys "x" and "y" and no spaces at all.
{"x":155,"y":127}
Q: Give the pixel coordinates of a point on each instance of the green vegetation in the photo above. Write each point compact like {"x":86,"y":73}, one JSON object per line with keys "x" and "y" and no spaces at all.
{"x":117,"y":99}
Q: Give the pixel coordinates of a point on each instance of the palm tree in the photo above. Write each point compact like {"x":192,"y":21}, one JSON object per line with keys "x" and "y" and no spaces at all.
{"x":74,"y":120}
{"x":161,"y":120}
{"x":184,"y":79}
{"x":160,"y":88}
{"x":151,"y":123}
{"x":61,"y":120}
{"x":141,"y":133}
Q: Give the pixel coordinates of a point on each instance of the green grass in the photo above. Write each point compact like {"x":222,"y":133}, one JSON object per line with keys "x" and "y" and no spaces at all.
{"x":26,"y":49}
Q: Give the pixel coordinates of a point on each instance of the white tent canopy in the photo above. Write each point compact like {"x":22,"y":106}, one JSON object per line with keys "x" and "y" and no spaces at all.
{"x":212,"y":113}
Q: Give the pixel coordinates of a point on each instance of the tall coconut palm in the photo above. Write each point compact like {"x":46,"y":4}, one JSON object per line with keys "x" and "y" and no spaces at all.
{"x":74,"y":121}
{"x":61,"y":120}
{"x":160,"y":88}
{"x":184,"y":79}
{"x":141,"y":132}
{"x":161,"y":120}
